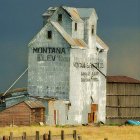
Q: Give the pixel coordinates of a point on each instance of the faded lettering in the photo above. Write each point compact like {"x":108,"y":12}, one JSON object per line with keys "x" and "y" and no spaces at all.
{"x":89,"y":76}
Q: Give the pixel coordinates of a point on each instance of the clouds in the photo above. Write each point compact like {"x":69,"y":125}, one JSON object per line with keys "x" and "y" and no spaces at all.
{"x":124,"y":52}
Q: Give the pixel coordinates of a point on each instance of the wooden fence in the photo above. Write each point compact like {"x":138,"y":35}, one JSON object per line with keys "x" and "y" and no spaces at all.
{"x":46,"y":136}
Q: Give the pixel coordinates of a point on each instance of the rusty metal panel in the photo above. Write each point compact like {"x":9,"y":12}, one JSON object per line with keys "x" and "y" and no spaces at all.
{"x":121,"y":79}
{"x":94,"y":108}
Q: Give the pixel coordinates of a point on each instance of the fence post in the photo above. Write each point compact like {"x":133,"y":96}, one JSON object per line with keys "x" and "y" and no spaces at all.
{"x":50,"y":136}
{"x":62,"y":134}
{"x":74,"y":135}
{"x":11,"y":136}
{"x":5,"y":138}
{"x":79,"y":138}
{"x":45,"y":137}
{"x":24,"y":136}
{"x":37,"y":135}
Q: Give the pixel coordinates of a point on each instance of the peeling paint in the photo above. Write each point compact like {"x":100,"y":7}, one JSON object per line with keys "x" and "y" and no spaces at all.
{"x":73,"y":77}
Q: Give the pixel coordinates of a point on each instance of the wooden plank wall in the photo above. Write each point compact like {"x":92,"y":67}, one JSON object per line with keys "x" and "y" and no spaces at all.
{"x":123,"y":102}
{"x":16,"y":115}
{"x":37,"y":115}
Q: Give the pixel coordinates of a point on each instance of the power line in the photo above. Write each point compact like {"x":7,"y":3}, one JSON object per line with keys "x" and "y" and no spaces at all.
{"x":15,"y":82}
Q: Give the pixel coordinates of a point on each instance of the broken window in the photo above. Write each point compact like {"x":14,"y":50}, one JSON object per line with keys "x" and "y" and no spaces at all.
{"x":59,"y":17}
{"x":75,"y":26}
{"x":92,"y":30}
{"x":49,"y":35}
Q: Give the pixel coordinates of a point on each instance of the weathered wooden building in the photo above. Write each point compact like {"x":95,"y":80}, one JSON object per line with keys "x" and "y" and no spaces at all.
{"x":23,"y":113}
{"x":123,"y":99}
{"x":68,"y":61}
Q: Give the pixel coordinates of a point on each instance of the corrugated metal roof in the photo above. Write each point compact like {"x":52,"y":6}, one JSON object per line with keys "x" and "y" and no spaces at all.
{"x":15,"y":91}
{"x":73,"y":13}
{"x":67,"y":37}
{"x":100,"y":42}
{"x":34,"y":104}
{"x":80,"y":43}
{"x":121,"y":79}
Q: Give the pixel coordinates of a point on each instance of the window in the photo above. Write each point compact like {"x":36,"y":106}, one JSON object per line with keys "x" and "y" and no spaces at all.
{"x":75,"y":26}
{"x":92,"y":30}
{"x":59,"y":17}
{"x":49,"y":35}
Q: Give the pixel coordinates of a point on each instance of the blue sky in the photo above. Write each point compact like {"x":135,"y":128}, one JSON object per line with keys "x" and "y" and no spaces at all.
{"x":118,"y":26}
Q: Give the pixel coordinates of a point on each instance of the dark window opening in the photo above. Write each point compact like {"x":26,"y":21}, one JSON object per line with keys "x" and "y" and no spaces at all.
{"x":49,"y":35}
{"x":92,"y":30}
{"x":59,"y":17}
{"x":75,"y":26}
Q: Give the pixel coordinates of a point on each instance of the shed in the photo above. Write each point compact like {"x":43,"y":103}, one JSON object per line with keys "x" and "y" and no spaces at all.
{"x":24,"y":113}
{"x":123,"y":99}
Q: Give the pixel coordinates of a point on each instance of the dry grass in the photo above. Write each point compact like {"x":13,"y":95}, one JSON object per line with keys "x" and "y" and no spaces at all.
{"x":87,"y":132}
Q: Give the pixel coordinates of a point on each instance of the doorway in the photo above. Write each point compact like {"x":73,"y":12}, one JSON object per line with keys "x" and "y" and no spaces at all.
{"x":92,"y":117}
{"x":56,"y":117}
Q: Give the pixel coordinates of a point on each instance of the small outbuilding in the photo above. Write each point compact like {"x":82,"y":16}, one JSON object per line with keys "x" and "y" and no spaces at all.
{"x":23,"y":113}
{"x":123,"y":99}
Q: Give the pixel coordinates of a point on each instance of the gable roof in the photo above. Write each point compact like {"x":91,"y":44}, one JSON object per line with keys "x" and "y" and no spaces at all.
{"x":77,"y":14}
{"x":73,"y":13}
{"x":67,"y":37}
{"x":31,"y":104}
{"x":74,"y":42}
{"x":34,"y":104}
{"x":122,"y":79}
{"x":100,"y":43}
{"x":86,"y":12}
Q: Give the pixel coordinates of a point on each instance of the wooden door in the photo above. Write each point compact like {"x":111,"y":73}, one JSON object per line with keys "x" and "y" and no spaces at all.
{"x":90,"y":117}
{"x":55,"y":117}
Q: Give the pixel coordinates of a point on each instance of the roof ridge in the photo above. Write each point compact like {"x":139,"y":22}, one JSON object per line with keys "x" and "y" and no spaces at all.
{"x":101,"y":42}
{"x":61,"y":30}
{"x":67,"y":37}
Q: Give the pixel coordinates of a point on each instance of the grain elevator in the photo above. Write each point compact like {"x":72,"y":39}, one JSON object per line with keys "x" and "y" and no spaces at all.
{"x":67,"y":64}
